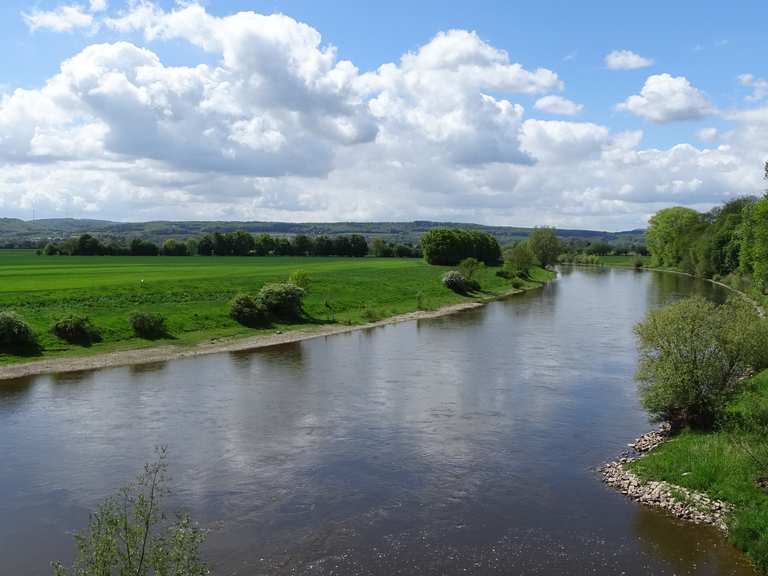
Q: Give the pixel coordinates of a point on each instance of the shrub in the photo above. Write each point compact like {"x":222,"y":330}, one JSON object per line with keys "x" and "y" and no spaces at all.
{"x":16,"y":334}
{"x":131,"y":533}
{"x":637,"y":263}
{"x":248,"y":311}
{"x":456,"y":281}
{"x":300,"y":278}
{"x":282,"y":301}
{"x":470,"y":266}
{"x":520,"y":258}
{"x":517,"y":283}
{"x":76,"y":330}
{"x":148,"y":325}
{"x":694,"y":356}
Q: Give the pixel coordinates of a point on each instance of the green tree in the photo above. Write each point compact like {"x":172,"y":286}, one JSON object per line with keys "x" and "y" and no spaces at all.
{"x":520,"y":258}
{"x":669,"y":236}
{"x":545,"y":245}
{"x":129,"y":534}
{"x":694,"y":356}
{"x":469,"y":267}
{"x":753,"y":240}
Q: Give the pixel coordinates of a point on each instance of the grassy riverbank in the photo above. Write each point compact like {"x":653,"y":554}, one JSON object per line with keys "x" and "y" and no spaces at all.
{"x":193,"y":293}
{"x":730,"y":464}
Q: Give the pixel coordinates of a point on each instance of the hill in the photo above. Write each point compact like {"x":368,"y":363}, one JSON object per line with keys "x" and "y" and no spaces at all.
{"x":14,"y":230}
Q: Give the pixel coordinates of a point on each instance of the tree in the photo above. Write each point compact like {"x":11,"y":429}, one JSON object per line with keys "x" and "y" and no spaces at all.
{"x":694,"y":356}
{"x":669,"y":235}
{"x":130,"y":534}
{"x":358,"y":246}
{"x":242,"y":243}
{"x":520,"y":258}
{"x":302,"y":245}
{"x":753,"y":240}
{"x":469,"y":267}
{"x":449,"y":246}
{"x":545,"y":245}
{"x":205,"y":246}
{"x":173,"y":248}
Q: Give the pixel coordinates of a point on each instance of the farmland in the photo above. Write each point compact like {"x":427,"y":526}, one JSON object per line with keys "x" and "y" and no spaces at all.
{"x":193,"y":293}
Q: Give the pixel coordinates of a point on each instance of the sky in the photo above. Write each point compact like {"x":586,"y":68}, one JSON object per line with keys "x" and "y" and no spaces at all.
{"x":573,"y":114}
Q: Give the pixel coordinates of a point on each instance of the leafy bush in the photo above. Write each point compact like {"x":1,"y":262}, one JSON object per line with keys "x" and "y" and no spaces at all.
{"x":300,"y":278}
{"x":130,"y":533}
{"x":517,"y":283}
{"x":457,"y":282}
{"x":637,"y":263}
{"x":148,"y":325}
{"x":248,"y":311}
{"x":282,"y":301}
{"x":15,"y":334}
{"x":76,"y":330}
{"x":470,"y":266}
{"x":694,"y":356}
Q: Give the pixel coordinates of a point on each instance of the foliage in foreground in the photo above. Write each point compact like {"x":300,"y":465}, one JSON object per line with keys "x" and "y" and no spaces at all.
{"x":15,"y":333}
{"x":694,"y":356}
{"x":129,"y":534}
{"x":730,"y":464}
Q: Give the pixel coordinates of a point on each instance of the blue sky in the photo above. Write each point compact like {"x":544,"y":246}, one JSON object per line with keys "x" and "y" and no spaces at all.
{"x":705,"y":43}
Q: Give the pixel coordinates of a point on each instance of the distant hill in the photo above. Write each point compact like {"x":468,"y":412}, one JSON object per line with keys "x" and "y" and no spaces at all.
{"x":15,"y":230}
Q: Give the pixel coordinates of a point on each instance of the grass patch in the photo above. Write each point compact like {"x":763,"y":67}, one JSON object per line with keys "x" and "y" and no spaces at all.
{"x":727,"y":464}
{"x":624,"y":261}
{"x":194,"y":294}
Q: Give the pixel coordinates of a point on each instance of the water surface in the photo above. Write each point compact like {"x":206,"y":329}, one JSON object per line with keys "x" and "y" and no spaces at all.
{"x":463,"y":444}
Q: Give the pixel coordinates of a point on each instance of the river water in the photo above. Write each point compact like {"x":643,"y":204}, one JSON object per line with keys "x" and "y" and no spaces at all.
{"x":464,"y":444}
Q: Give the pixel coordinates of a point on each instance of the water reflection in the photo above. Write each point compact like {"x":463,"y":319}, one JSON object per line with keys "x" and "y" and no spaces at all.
{"x":434,"y":446}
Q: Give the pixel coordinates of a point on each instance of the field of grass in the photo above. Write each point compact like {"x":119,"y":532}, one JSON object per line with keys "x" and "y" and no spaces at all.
{"x":730,"y":464}
{"x":193,"y":293}
{"x":628,"y":261}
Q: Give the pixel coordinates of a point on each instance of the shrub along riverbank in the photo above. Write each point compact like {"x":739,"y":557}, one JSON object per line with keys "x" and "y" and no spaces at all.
{"x":696,"y":359}
{"x":194,"y":295}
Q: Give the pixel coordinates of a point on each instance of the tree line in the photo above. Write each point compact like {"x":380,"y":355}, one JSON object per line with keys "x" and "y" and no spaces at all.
{"x":239,"y":243}
{"x":728,"y":241}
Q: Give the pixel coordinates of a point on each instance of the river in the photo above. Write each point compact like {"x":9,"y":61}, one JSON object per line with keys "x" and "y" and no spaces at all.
{"x":462,"y":444}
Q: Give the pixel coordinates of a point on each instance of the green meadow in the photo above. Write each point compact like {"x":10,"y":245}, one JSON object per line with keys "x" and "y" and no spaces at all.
{"x":193,"y":293}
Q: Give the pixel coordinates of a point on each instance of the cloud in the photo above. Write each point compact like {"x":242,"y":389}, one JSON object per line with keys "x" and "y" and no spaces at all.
{"x":62,"y":19}
{"x":98,"y":5}
{"x":665,"y":99}
{"x":708,"y":134}
{"x":626,"y":60}
{"x":273,"y":125}
{"x":557,"y":105}
{"x":758,"y":85}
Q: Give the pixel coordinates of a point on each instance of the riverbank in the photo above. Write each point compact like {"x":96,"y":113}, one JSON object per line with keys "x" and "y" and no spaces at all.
{"x":279,"y":335}
{"x":718,"y":478}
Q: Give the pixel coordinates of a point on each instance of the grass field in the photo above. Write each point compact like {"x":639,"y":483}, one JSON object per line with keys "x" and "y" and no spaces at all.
{"x":193,"y":293}
{"x":730,"y":464}
{"x":628,"y":261}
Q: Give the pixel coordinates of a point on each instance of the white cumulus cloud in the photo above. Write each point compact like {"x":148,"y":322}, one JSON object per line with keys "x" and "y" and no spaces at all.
{"x":554,"y":104}
{"x":758,"y":85}
{"x":665,"y":98}
{"x":62,"y":19}
{"x":271,"y":124}
{"x":626,"y":60}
